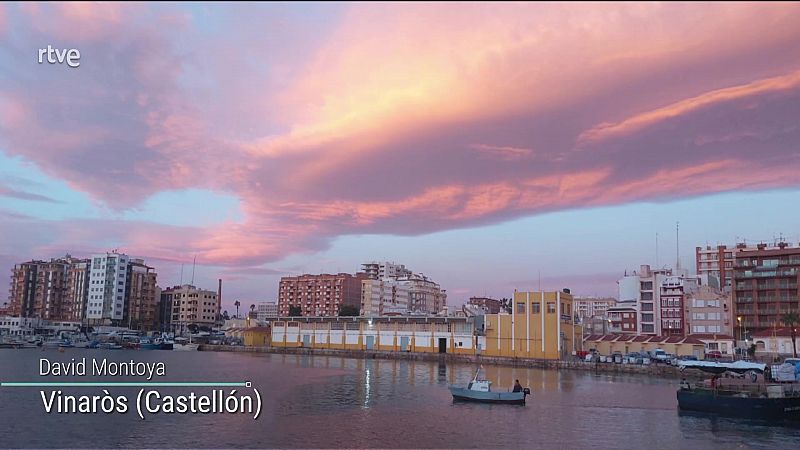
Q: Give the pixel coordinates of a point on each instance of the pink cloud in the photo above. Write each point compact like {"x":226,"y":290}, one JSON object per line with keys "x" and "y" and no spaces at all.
{"x":404,"y":119}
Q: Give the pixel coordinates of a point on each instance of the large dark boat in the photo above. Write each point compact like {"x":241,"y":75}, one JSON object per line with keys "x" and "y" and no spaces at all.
{"x":751,"y":399}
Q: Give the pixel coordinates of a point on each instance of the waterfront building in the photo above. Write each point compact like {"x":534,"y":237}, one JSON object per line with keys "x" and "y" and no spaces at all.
{"x":621,"y":319}
{"x":142,"y":295}
{"x":77,"y":290}
{"x":765,"y":285}
{"x":108,"y":281}
{"x":425,"y":295}
{"x":609,"y":344}
{"x":319,"y":295}
{"x":191,"y":306}
{"x":266,"y":311}
{"x":776,"y":341}
{"x":541,"y":325}
{"x":641,"y":291}
{"x":708,"y":311}
{"x":719,"y":342}
{"x":259,"y":336}
{"x":587,"y":307}
{"x":399,"y":334}
{"x":489,"y":305}
{"x":19,"y":326}
{"x":47,"y":289}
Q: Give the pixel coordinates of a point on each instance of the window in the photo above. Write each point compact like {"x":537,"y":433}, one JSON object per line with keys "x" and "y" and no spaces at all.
{"x":646,"y":328}
{"x":647,"y":317}
{"x":551,"y":307}
{"x":535,"y":308}
{"x":520,"y":308}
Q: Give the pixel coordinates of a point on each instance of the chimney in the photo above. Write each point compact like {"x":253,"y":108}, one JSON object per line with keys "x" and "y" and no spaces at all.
{"x":219,"y":297}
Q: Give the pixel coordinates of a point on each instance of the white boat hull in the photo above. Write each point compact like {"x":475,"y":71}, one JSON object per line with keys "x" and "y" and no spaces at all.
{"x":185,"y":347}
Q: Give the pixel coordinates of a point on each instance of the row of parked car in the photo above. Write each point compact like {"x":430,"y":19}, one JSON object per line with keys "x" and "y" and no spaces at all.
{"x":656,"y":356}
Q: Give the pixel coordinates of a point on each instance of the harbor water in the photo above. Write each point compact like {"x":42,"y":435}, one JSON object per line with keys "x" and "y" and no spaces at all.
{"x":334,"y":402}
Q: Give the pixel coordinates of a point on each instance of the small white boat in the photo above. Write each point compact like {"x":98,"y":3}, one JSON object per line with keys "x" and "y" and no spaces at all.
{"x":184,"y":345}
{"x":481,"y":391}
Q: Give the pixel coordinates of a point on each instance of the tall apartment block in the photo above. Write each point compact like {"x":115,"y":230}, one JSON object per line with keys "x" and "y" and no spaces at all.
{"x":142,"y":296}
{"x":319,"y":295}
{"x":51,"y":290}
{"x":766,"y":285}
{"x":108,"y":281}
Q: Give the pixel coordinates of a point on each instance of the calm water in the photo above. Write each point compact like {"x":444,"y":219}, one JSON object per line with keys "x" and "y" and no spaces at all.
{"x":328,"y":402}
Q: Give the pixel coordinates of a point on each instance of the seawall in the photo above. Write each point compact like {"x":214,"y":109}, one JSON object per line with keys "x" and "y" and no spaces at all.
{"x":652,"y":370}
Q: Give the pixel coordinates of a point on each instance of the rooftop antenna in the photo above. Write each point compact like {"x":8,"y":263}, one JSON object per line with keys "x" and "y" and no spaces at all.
{"x":677,"y":246}
{"x":194,"y":263}
{"x":540,"y":280}
{"x":656,"y":249}
{"x":181,"y":274}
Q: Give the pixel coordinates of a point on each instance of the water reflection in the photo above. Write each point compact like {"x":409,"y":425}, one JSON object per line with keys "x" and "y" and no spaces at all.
{"x":327,"y":402}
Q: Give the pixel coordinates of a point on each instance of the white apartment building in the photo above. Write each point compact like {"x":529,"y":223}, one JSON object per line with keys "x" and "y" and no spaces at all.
{"x":107,"y":284}
{"x":19,"y":326}
{"x":266,"y":310}
{"x":384,"y":295}
{"x":379,"y":270}
{"x":586,"y":307}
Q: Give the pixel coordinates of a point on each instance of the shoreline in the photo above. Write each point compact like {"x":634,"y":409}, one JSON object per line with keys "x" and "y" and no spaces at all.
{"x":653,"y":370}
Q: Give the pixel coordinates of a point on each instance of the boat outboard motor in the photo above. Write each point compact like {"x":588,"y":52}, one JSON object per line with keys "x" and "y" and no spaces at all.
{"x":526,"y":391}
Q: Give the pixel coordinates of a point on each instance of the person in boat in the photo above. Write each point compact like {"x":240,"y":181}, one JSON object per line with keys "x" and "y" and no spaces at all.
{"x":517,"y":386}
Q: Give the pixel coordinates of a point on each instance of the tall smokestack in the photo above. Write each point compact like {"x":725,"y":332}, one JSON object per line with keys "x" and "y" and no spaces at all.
{"x":219,"y":297}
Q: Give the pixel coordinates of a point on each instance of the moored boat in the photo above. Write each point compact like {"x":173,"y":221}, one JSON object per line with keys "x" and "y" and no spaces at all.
{"x":185,"y":345}
{"x":738,"y":398}
{"x":481,"y":391}
{"x":147,"y":344}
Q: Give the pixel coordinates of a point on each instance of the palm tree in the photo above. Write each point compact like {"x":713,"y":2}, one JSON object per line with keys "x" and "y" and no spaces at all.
{"x":791,"y":320}
{"x":237,"y":304}
{"x":252,"y":311}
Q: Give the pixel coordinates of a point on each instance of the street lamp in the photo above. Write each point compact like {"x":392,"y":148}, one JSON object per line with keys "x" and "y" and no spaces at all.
{"x":741,"y":335}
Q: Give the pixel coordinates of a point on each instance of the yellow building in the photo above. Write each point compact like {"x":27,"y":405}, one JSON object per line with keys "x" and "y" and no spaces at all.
{"x":541,"y":325}
{"x":257,"y":336}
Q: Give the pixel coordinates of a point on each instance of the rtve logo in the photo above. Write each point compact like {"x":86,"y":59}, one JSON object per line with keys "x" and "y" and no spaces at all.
{"x":70,"y":56}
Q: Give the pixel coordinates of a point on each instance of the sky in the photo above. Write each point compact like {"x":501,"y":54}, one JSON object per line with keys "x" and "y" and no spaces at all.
{"x":490,"y":146}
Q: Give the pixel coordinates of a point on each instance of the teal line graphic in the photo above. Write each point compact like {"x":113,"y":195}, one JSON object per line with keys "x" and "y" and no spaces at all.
{"x":122,"y":383}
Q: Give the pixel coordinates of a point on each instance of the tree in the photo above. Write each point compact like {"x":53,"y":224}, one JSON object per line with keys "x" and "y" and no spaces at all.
{"x":506,"y":302}
{"x":295,"y":311}
{"x":349,"y":311}
{"x":237,"y":304}
{"x":252,"y":311}
{"x":225,"y":315}
{"x":752,"y":350}
{"x":791,"y":320}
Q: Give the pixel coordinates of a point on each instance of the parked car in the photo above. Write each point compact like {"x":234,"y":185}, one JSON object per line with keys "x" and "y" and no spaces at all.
{"x":714,"y":355}
{"x":634,"y":358}
{"x":659,"y":355}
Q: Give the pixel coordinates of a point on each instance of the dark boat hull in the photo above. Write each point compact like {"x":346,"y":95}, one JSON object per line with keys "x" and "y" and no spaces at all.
{"x":749,"y":407}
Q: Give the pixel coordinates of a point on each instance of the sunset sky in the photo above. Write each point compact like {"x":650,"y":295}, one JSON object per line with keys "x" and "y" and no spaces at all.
{"x":485,"y":145}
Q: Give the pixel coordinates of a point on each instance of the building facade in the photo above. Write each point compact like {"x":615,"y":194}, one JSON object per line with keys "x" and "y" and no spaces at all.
{"x":49,"y":290}
{"x":587,"y":307}
{"x":266,"y":311}
{"x":717,"y":262}
{"x":487,"y":304}
{"x":142,"y":295}
{"x":540,"y":326}
{"x":191,"y":306}
{"x":708,"y":311}
{"x":384,"y":296}
{"x":319,"y":295}
{"x":766,"y":284}
{"x":379,"y":270}
{"x":108,"y":281}
{"x":621,"y":319}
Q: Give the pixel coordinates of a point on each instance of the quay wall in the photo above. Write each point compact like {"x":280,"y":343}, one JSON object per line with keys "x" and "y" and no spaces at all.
{"x":653,"y":370}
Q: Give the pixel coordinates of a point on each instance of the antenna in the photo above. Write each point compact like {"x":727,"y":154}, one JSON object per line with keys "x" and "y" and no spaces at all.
{"x":540,"y":280}
{"x":677,"y":246}
{"x":656,"y":248}
{"x":181,"y":274}
{"x":194,"y":263}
